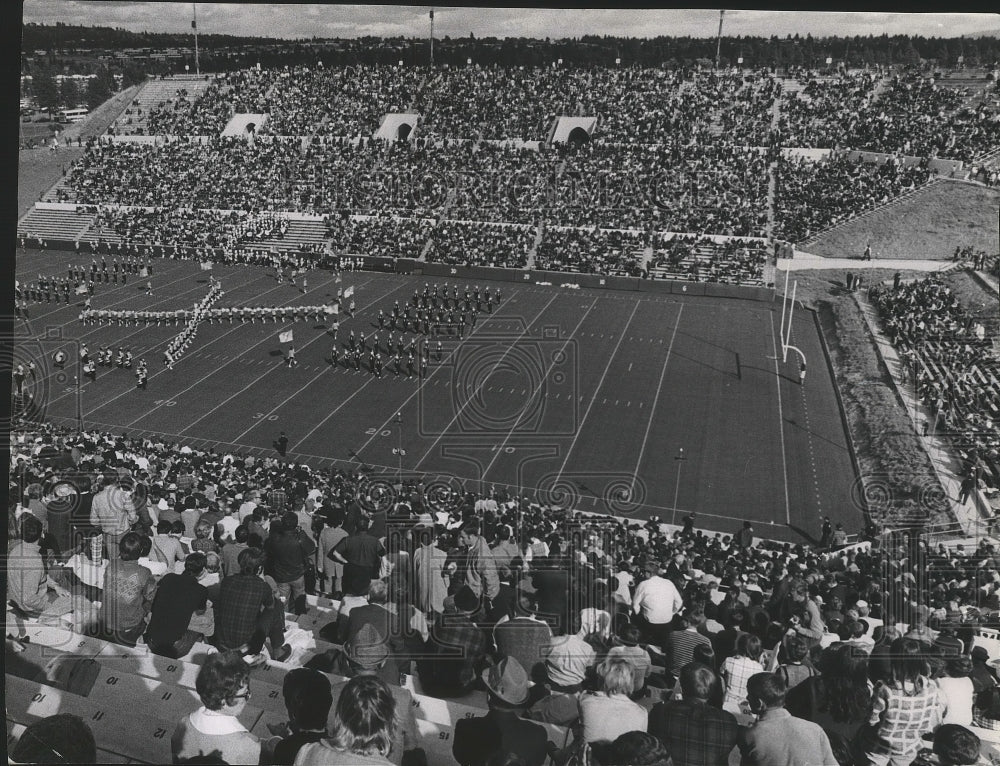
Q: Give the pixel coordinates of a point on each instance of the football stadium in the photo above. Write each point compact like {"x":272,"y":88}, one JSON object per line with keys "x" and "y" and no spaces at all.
{"x":414,"y":398}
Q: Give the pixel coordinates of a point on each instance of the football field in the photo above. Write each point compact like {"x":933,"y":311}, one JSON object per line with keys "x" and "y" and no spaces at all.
{"x":633,"y":403}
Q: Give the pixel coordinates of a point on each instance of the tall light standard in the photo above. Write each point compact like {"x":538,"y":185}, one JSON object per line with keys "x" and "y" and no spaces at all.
{"x":398,"y":451}
{"x":679,"y":459}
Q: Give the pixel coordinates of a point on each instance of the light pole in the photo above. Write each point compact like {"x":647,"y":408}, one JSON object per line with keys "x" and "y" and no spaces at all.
{"x":679,"y":459}
{"x":398,"y":451}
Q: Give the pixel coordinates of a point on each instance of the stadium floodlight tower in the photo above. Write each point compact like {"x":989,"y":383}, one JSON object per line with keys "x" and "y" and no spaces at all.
{"x":787,"y":309}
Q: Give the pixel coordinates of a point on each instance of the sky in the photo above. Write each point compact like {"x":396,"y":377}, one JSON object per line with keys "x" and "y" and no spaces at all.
{"x":320,"y":20}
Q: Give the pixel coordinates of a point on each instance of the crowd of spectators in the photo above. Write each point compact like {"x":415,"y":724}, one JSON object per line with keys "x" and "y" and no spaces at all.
{"x":824,"y":110}
{"x":592,"y":251}
{"x":814,"y":195}
{"x":954,"y":370}
{"x":379,"y":236}
{"x":735,"y":261}
{"x":680,"y":643}
{"x":472,"y":243}
{"x":187,"y":228}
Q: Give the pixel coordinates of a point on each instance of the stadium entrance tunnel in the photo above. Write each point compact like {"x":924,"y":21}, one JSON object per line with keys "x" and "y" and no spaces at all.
{"x":578,"y":136}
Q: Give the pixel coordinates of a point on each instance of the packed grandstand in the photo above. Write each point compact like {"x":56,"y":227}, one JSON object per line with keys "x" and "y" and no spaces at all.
{"x":169,"y":601}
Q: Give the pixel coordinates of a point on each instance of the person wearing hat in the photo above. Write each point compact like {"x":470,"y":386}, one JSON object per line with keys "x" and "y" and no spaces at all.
{"x":502,"y":729}
{"x":456,"y":647}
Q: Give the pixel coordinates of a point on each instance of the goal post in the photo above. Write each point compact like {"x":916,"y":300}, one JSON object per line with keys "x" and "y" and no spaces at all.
{"x":787,"y":311}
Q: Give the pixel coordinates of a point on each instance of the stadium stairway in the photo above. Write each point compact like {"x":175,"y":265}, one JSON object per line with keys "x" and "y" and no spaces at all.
{"x":122,"y":676}
{"x":55,"y":224}
{"x":151,"y":95}
{"x":308,"y":232}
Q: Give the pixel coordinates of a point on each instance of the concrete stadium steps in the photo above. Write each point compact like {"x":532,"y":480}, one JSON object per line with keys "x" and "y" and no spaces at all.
{"x":299,"y":233}
{"x":55,"y":224}
{"x":152,"y":94}
{"x":52,"y":195}
{"x":127,"y":674}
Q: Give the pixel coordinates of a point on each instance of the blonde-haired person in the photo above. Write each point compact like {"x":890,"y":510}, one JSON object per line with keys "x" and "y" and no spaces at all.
{"x":609,"y":713}
{"x":361,"y":728}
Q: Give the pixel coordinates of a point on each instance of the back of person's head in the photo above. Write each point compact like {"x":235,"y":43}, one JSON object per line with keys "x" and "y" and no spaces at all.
{"x":748,"y":645}
{"x":633,"y":748}
{"x":617,"y":676}
{"x":308,"y":697}
{"x":907,"y":664}
{"x":220,"y":678}
{"x":705,"y":654}
{"x":378,"y":592}
{"x":241,"y":535}
{"x":213,"y":562}
{"x":250,"y":561}
{"x":797,"y":649}
{"x":31,"y":528}
{"x":471,"y":527}
{"x":177,"y":528}
{"x":363,"y":722}
{"x":289,"y":521}
{"x":164,"y":527}
{"x":195,"y":563}
{"x":766,"y":688}
{"x":630,"y":635}
{"x":130,"y":546}
{"x":697,"y":681}
{"x":61,"y":738}
{"x":356,"y":582}
{"x":955,"y":745}
{"x":959,"y":667}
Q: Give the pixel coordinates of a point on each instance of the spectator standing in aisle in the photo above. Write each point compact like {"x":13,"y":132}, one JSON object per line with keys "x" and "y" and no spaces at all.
{"x":655,"y":602}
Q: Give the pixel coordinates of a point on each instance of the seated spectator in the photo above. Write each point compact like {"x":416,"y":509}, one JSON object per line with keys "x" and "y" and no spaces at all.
{"x":361,"y":728}
{"x":456,"y":648}
{"x":356,"y":586}
{"x":953,"y":745}
{"x":156,"y":568}
{"x":232,"y":550}
{"x":61,"y":738}
{"x":178,"y":598}
{"x":633,"y":748}
{"x":523,"y":636}
{"x":839,"y":698}
{"x":738,"y":669}
{"x":957,"y":691}
{"x":904,"y":707}
{"x":681,"y":641}
{"x":609,"y":713}
{"x":246,"y":613}
{"x":626,"y":646}
{"x":223,"y":686}
{"x":28,"y":586}
{"x":128,"y":593}
{"x":308,"y":700}
{"x":695,"y":732}
{"x":778,"y":738}
{"x":203,"y":532}
{"x":373,"y":612}
{"x":502,"y":729}
{"x":795,"y":669}
{"x":85,"y":569}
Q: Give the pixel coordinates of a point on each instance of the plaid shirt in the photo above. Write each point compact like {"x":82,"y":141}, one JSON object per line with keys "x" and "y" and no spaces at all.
{"x":737,"y":671}
{"x":241,"y":598}
{"x":694,"y":732}
{"x":901,"y":718}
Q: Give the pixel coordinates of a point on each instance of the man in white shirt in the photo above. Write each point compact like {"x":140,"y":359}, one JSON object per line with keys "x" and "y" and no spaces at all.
{"x":656,"y":601}
{"x":248,"y":506}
